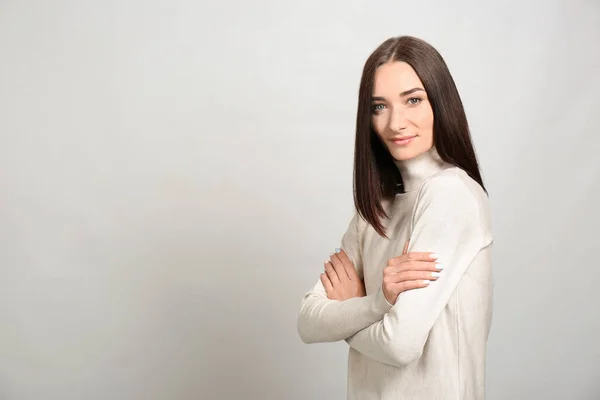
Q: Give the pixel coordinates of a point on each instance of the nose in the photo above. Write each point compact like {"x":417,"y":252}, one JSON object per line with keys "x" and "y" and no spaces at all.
{"x":398,"y":120}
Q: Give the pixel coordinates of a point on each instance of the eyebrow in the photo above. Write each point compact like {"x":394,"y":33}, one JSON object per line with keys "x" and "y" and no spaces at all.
{"x":405,"y":93}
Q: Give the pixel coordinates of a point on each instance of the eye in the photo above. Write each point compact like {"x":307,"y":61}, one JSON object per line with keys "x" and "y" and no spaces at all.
{"x":376,"y":108}
{"x":414,"y":100}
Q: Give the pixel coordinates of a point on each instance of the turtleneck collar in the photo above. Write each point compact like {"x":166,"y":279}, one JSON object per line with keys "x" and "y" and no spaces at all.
{"x":416,"y":170}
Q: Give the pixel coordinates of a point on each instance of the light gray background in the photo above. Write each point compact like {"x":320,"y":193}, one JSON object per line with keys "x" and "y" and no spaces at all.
{"x":173,"y":174}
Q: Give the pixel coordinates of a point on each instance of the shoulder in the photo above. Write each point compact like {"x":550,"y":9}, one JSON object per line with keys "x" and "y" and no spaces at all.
{"x":451,"y":185}
{"x":453,"y":194}
{"x":356,"y":227}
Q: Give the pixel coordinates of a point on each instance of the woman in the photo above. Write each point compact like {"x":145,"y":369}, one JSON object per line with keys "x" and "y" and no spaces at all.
{"x":420,"y":240}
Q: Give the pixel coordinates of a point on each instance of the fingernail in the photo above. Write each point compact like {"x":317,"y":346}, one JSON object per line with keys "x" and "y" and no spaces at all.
{"x":434,"y":256}
{"x":338,"y":250}
{"x":426,"y":282}
{"x":439,"y":266}
{"x":435,"y":274}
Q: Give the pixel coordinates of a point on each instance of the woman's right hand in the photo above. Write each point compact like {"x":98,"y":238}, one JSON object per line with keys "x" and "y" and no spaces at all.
{"x":409,"y":271}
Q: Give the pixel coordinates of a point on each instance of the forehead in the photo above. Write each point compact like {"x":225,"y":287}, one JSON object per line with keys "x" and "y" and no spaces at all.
{"x":395,"y":77}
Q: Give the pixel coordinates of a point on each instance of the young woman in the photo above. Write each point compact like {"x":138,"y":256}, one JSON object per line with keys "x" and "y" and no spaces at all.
{"x":410,"y":290}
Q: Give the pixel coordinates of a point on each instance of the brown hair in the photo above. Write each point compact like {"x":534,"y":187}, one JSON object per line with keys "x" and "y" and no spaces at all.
{"x":375,"y":175}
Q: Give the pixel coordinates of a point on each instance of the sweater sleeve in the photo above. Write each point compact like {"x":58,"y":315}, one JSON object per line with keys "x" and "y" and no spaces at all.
{"x":324,"y":320}
{"x":447,"y":220}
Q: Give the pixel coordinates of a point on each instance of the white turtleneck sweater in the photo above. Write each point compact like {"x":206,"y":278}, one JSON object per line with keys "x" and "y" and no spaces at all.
{"x":431,"y":344}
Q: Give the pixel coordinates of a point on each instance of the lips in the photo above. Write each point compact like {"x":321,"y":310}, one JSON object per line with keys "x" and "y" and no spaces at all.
{"x":403,"y":140}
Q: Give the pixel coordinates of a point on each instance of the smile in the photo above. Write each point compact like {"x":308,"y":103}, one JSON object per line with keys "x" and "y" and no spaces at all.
{"x":403,"y":141}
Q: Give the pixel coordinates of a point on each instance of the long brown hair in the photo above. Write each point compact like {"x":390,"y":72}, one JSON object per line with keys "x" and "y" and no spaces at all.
{"x":376,"y":176}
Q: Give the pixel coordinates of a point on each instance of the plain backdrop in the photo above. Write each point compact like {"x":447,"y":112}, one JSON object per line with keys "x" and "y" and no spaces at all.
{"x":174,"y":173}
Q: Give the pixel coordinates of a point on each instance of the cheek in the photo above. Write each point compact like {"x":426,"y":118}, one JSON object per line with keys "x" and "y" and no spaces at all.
{"x":379,"y":124}
{"x":425,"y":119}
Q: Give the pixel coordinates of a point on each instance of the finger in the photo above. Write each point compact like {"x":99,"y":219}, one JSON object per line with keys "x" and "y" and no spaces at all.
{"x":339,"y":267}
{"x":343,"y":256}
{"x":405,"y":250}
{"x":413,"y":276}
{"x":348,"y":264}
{"x":331,"y":274}
{"x":414,"y":266}
{"x":326,"y":284}
{"x":410,"y":285}
{"x":413,"y":256}
{"x":398,"y":288}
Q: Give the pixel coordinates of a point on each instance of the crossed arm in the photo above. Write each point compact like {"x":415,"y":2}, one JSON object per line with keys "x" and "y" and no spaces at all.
{"x":325,"y":320}
{"x":447,"y":221}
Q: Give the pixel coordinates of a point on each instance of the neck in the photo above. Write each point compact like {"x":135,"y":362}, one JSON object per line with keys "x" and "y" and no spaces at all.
{"x":417,"y":169}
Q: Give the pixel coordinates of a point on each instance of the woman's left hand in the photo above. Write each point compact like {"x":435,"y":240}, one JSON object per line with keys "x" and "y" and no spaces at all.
{"x":340,"y":279}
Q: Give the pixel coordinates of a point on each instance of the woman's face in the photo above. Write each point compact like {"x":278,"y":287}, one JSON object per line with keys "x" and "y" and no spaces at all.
{"x":401,"y":114}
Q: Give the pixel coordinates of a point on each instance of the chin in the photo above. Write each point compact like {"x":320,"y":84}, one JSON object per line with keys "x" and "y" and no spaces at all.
{"x":406,"y":154}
